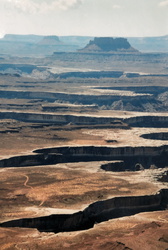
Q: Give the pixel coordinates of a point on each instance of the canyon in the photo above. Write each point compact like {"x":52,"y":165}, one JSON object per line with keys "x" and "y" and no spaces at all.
{"x":84,"y":147}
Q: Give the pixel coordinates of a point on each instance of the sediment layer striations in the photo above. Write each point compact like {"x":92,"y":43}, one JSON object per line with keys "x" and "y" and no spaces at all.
{"x":136,"y":121}
{"x":130,"y":156}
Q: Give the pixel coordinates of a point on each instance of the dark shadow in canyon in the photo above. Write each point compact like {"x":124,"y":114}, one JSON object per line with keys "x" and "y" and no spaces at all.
{"x":156,"y":136}
{"x":95,"y":213}
{"x":129,"y":156}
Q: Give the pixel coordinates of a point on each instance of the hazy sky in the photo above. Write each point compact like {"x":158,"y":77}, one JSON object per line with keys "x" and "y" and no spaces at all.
{"x":84,"y":17}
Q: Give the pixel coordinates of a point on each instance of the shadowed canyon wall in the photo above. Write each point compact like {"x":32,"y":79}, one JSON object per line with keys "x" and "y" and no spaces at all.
{"x":130,"y":156}
{"x":95,"y":213}
{"x":137,"y":121}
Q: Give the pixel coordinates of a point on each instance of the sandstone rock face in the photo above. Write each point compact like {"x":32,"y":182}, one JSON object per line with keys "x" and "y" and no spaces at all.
{"x":107,"y":44}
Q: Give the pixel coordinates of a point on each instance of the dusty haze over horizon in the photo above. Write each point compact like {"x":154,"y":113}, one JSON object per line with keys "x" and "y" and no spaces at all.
{"x":84,"y":17}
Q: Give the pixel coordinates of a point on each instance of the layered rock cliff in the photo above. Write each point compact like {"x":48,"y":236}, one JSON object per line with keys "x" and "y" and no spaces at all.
{"x":95,"y":213}
{"x":129,"y":157}
{"x":136,"y":121}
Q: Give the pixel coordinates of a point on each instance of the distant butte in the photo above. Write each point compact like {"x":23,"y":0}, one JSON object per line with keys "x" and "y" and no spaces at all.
{"x":50,"y":40}
{"x":108,"y":44}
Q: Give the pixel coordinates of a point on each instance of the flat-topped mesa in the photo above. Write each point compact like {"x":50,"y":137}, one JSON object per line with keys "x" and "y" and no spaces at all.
{"x":50,"y":40}
{"x":108,"y":44}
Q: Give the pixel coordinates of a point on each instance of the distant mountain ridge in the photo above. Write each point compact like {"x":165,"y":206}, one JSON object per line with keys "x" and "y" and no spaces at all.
{"x":143,"y":44}
{"x":13,"y":44}
{"x":150,"y":44}
{"x":33,"y":45}
{"x":22,"y":38}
